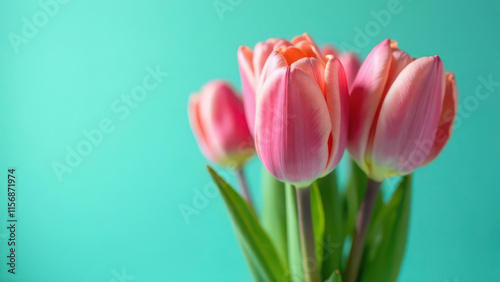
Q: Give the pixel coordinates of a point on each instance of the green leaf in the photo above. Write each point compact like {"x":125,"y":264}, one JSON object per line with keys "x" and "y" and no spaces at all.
{"x":274,"y":213}
{"x":384,"y":252}
{"x":335,"y":277}
{"x":318,"y":218}
{"x":333,"y":238}
{"x":296,"y":271}
{"x":258,"y":249}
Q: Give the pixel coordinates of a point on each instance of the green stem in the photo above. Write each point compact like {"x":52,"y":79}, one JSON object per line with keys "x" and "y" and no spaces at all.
{"x":362,"y":224}
{"x":309,"y":262}
{"x":243,"y":185}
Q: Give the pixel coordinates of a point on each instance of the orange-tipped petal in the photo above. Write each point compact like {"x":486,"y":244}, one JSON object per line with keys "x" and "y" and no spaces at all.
{"x":314,"y":68}
{"x":261,"y":52}
{"x":292,"y":54}
{"x":305,"y":43}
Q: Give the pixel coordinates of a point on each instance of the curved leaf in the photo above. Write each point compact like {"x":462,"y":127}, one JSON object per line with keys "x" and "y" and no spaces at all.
{"x":274,"y":213}
{"x":385,"y":252}
{"x":334,"y":234}
{"x":318,"y":218}
{"x":296,"y":271}
{"x":259,"y":251}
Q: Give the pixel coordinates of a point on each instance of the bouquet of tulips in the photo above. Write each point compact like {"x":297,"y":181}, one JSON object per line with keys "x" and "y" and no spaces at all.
{"x":302,"y":106}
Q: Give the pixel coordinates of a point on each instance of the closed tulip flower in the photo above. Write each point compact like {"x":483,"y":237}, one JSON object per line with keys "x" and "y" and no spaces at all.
{"x":301,"y":112}
{"x":219,"y":126}
{"x":401,"y":111}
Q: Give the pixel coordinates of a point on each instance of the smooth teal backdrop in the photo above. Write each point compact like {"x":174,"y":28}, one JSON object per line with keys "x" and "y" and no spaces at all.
{"x":117,"y":212}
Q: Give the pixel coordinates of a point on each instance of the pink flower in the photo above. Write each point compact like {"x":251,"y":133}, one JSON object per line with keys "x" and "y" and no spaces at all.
{"x":349,"y":60}
{"x":301,"y":113}
{"x":219,"y":126}
{"x":401,"y":111}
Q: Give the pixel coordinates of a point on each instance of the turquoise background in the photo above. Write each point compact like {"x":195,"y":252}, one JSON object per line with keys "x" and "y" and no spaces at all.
{"x":118,"y":210}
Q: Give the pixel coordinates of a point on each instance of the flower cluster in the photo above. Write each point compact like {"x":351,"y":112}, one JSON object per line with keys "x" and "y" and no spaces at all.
{"x":302,"y":106}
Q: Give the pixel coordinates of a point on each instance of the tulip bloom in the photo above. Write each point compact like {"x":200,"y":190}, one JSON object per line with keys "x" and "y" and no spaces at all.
{"x":401,"y":111}
{"x":219,"y":126}
{"x":301,"y":112}
{"x":349,"y":61}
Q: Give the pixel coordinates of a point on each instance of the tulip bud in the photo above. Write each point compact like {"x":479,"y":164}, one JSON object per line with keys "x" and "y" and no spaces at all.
{"x":219,"y":126}
{"x":401,"y":111}
{"x":301,"y":112}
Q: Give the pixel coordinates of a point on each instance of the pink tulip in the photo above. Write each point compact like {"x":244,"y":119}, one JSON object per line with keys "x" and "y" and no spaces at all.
{"x":349,"y":60}
{"x":301,"y":114}
{"x":219,"y":126}
{"x":401,"y":111}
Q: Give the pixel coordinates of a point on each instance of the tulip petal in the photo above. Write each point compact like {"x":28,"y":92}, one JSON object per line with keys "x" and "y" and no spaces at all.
{"x":399,"y":61}
{"x":314,"y":68}
{"x":248,"y":82}
{"x":409,"y":116}
{"x":225,"y":128}
{"x":292,"y":54}
{"x":309,"y":49}
{"x":275,"y":61}
{"x":337,"y":100}
{"x":261,"y":52}
{"x":292,"y":126}
{"x":305,"y":43}
{"x":351,"y":65}
{"x":197,"y":127}
{"x":448,"y":114}
{"x":281,"y":42}
{"x":303,"y":37}
{"x":365,"y":96}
